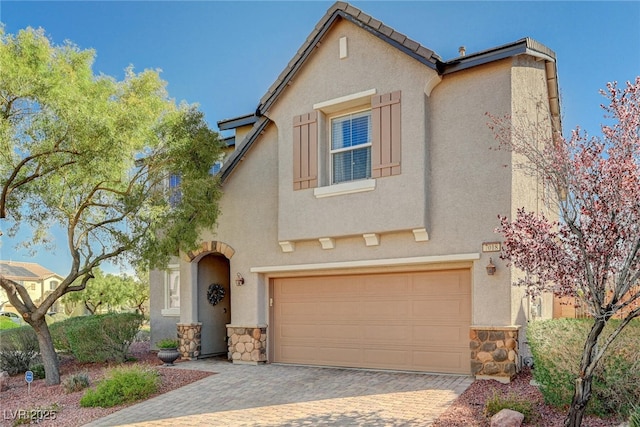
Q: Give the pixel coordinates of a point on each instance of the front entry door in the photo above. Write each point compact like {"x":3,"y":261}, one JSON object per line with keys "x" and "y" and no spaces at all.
{"x":213,"y":270}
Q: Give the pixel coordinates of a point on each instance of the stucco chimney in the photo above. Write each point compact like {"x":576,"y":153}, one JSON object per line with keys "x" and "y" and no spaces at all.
{"x":462,"y":50}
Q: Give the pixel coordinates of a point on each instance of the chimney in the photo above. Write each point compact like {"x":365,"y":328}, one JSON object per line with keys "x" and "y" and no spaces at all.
{"x":462,"y":50}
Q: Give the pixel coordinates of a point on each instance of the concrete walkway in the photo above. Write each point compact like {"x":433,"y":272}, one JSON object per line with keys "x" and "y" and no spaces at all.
{"x":278,"y":395}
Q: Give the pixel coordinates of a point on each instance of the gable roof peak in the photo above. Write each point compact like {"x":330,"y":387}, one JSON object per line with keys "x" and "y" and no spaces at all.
{"x":343,"y":10}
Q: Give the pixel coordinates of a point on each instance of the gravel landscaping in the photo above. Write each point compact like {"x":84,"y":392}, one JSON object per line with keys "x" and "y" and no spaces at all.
{"x":68,"y":412}
{"x":468,"y":409}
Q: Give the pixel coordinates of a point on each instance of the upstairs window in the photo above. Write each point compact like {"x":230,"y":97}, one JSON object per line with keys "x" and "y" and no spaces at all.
{"x":174,"y":189}
{"x":351,"y":147}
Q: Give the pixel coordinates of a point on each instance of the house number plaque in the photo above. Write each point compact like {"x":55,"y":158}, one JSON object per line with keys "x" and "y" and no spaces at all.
{"x":491,"y":247}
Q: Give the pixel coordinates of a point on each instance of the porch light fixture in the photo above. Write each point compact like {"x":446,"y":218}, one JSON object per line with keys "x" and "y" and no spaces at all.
{"x":491,"y":268}
{"x":239,"y":279}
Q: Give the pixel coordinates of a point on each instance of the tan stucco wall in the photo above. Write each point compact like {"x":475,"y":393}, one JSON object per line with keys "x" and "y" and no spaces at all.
{"x":451,"y":182}
{"x":325,"y":77}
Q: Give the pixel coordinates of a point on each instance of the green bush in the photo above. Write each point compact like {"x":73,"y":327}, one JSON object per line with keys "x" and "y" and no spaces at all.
{"x":6,"y":323}
{"x":75,"y":382}
{"x":122,"y":385}
{"x":634,"y":417}
{"x":557,"y":348}
{"x":97,"y":338}
{"x":497,"y":403}
{"x":38,"y":371}
{"x":18,"y":348}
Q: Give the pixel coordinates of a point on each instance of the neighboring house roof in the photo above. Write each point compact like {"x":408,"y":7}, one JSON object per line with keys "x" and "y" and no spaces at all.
{"x":341,"y":10}
{"x":31,"y":271}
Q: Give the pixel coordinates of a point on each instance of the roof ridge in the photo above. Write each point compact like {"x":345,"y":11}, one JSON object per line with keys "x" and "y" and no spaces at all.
{"x":356,"y":16}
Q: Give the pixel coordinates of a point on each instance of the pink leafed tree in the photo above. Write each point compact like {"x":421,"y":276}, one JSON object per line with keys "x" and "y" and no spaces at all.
{"x":589,"y":247}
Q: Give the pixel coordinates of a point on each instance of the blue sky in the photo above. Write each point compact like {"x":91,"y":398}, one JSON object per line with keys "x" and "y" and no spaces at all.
{"x":225,"y":55}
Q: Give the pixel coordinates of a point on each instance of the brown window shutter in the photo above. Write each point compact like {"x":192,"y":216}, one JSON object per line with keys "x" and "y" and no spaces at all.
{"x":385,"y":139}
{"x":305,"y":151}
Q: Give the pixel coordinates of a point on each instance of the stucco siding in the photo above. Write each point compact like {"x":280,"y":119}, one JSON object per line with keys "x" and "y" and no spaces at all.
{"x":468,"y":185}
{"x":325,"y":77}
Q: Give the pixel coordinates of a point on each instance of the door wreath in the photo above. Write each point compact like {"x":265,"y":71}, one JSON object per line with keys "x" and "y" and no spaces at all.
{"x":215,"y":293}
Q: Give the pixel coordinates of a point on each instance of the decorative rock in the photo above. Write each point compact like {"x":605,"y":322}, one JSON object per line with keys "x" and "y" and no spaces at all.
{"x":234,"y":339}
{"x":484,"y":357}
{"x":473,"y":345}
{"x":510,"y":369}
{"x":510,"y":343}
{"x":488,"y":346}
{"x":482,"y":335}
{"x":245,"y":338}
{"x":491,"y":368}
{"x":496,"y":335}
{"x":248,"y":347}
{"x":236,"y":356}
{"x":256,"y":334}
{"x":4,"y":380}
{"x":472,"y":334}
{"x":512,"y":355}
{"x":507,"y":418}
{"x":500,"y":355}
{"x":476,"y":367}
{"x":246,"y":357}
{"x":240,"y":347}
{"x":500,"y":344}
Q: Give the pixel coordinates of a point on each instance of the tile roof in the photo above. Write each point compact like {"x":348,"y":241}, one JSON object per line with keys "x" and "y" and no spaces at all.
{"x":24,"y":270}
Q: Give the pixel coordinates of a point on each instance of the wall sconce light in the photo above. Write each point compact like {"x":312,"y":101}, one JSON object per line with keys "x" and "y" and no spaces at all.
{"x":239,"y":279}
{"x":491,"y":268}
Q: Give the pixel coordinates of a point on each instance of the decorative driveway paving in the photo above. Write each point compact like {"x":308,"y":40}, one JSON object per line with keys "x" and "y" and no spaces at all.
{"x":278,"y":395}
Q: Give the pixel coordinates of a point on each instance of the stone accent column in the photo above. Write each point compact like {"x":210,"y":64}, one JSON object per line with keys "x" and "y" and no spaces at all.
{"x":494,"y":352}
{"x":189,"y":335}
{"x":247,"y":344}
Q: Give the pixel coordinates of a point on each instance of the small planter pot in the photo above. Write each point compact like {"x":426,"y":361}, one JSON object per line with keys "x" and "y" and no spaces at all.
{"x":168,"y":355}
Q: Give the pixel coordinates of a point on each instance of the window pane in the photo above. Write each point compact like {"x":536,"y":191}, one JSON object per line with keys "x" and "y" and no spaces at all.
{"x":352,"y":165}
{"x":351,"y":130}
{"x":173,"y":289}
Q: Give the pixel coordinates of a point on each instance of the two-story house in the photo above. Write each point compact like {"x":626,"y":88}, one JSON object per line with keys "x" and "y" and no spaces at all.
{"x":359,"y":209}
{"x":37,"y":280}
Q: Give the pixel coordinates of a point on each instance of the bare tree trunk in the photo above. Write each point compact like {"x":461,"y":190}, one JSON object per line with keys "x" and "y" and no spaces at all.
{"x":581,"y":397}
{"x":47,"y":352}
{"x":588,"y":363}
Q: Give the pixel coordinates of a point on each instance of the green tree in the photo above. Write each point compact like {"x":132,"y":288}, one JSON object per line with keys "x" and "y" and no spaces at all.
{"x":105,"y":291}
{"x":138,"y":292}
{"x":92,"y":155}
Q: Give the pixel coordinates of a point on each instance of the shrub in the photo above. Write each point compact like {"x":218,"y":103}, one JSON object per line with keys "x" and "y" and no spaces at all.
{"x":634,"y":417}
{"x":38,"y":371}
{"x":122,"y":385}
{"x":75,"y":382}
{"x":18,"y":348}
{"x":168,"y":343}
{"x":97,"y":338}
{"x":497,"y":403}
{"x":557,"y":348}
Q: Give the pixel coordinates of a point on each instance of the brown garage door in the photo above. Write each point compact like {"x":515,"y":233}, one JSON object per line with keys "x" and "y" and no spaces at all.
{"x":409,"y":321}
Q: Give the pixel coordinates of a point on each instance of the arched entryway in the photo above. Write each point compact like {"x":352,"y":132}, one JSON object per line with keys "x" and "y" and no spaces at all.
{"x":213,"y":269}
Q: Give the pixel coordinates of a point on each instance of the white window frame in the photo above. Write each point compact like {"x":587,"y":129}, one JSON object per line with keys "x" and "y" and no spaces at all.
{"x":168,"y":310}
{"x":330,"y":120}
{"x":329,"y":109}
{"x":53,"y":285}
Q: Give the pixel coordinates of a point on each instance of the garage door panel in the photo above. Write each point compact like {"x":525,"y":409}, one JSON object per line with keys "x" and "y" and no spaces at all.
{"x":441,"y":308}
{"x":383,"y":309}
{"x":442,"y":335}
{"x":409,"y":321}
{"x":390,"y":359}
{"x":386,"y":334}
{"x":439,"y":361}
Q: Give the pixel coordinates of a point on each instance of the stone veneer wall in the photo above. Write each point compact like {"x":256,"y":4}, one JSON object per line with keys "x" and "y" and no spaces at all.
{"x":494,"y":352}
{"x":247,"y":344}
{"x":189,"y":335}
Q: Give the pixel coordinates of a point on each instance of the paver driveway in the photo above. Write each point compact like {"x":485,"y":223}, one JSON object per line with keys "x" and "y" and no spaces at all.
{"x":277,"y":395}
